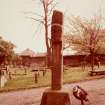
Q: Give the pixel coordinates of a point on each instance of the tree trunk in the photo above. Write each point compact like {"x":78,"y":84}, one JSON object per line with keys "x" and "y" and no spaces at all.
{"x":48,"y":60}
{"x":92,"y":60}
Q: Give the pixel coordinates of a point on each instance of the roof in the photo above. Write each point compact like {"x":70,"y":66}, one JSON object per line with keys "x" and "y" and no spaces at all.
{"x":27,"y":52}
{"x":31,"y":53}
{"x":69,"y":51}
{"x":40,"y":54}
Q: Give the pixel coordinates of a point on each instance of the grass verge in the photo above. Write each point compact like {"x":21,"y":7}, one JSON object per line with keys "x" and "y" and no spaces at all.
{"x":22,"y":81}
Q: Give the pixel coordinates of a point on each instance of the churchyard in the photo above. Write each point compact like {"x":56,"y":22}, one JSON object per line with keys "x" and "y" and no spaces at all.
{"x":56,"y":74}
{"x":24,"y":78}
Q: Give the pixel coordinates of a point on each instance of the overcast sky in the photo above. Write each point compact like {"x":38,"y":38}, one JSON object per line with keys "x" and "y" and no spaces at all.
{"x":17,"y":28}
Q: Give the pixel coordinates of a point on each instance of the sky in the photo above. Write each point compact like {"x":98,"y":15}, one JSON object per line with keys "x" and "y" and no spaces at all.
{"x":15,"y":25}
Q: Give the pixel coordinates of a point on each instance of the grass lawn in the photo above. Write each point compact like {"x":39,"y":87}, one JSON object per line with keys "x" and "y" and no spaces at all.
{"x":22,"y":81}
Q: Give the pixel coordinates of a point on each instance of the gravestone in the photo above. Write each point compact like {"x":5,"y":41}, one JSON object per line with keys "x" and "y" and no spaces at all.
{"x":3,"y":78}
{"x":56,"y":95}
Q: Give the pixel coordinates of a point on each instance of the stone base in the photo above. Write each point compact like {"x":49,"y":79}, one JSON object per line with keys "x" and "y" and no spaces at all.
{"x":58,"y":97}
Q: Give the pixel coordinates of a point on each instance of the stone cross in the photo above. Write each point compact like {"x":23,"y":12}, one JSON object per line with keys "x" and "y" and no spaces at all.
{"x":57,"y":61}
{"x":56,"y":95}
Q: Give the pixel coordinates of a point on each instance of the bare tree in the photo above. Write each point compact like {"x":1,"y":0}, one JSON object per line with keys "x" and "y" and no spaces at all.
{"x":45,"y":19}
{"x":86,"y":36}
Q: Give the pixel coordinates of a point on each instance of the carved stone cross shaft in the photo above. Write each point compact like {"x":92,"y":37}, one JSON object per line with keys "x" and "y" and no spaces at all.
{"x":57,"y":61}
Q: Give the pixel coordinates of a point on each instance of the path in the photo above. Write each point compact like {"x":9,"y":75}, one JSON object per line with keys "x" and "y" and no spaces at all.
{"x":95,"y":88}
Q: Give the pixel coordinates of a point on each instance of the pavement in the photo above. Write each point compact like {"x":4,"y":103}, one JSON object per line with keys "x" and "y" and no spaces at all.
{"x":95,"y":89}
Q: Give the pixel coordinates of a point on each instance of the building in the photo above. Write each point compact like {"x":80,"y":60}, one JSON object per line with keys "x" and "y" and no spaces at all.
{"x":30,"y":58}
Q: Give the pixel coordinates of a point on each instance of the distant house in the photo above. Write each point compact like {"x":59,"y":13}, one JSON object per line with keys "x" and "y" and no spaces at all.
{"x":27,"y":52}
{"x":30,"y":58}
{"x":39,"y":59}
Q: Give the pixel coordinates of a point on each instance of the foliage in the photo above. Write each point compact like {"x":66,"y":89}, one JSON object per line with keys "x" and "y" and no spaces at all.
{"x":6,"y":50}
{"x":86,"y":36}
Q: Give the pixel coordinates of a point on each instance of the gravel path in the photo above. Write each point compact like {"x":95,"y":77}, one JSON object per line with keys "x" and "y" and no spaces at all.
{"x":95,"y":88}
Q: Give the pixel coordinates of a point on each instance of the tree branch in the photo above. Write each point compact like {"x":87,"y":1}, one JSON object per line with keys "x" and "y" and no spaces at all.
{"x":39,"y":20}
{"x":50,"y":2}
{"x":29,"y":12}
{"x":53,"y":6}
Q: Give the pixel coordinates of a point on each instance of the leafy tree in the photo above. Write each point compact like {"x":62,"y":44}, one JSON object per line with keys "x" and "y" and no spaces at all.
{"x":86,"y":36}
{"x":6,"y":51}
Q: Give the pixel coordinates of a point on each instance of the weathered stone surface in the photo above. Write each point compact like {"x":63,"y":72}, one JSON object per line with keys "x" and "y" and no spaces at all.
{"x":56,"y":26}
{"x":57,"y":58}
{"x":3,"y":81}
{"x":57,"y":97}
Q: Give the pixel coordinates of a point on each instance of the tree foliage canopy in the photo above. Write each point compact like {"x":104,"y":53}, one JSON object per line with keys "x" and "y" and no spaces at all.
{"x":86,"y":35}
{"x":6,"y":50}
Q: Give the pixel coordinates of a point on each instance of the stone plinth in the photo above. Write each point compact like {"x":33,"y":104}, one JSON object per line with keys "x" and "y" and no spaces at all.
{"x":57,"y":97}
